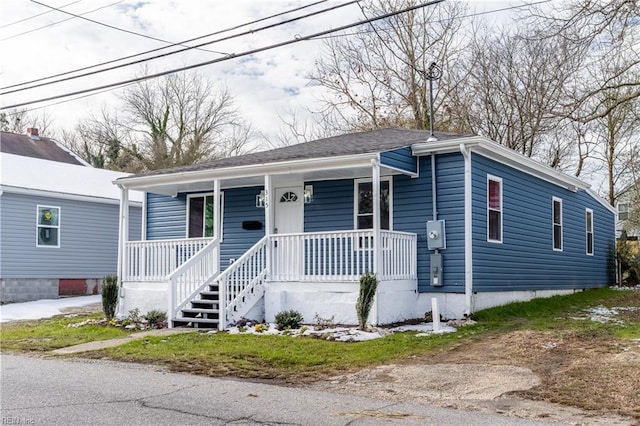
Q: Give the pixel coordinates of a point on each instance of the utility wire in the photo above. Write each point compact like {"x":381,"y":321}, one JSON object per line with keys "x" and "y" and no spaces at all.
{"x":117,"y":28}
{"x":471,"y":15}
{"x":35,"y":16}
{"x":164,"y":47}
{"x":162,"y":55}
{"x":296,"y":39}
{"x":59,"y":22}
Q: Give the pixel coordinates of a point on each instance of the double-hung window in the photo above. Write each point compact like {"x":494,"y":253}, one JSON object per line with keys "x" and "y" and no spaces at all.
{"x":623,"y":211}
{"x":557,"y":223}
{"x":589,"y":231}
{"x":48,"y":226}
{"x":364,"y":204}
{"x":494,"y":209}
{"x":200,"y":217}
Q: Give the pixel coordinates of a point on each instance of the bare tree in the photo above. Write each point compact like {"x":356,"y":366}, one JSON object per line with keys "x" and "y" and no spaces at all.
{"x":176,"y":120}
{"x":599,"y":31}
{"x":376,"y":78}
{"x":17,"y":120}
{"x":513,"y":84}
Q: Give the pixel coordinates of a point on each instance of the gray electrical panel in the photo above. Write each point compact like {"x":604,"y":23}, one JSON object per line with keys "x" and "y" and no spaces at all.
{"x":435,"y":270}
{"x":435,"y":235}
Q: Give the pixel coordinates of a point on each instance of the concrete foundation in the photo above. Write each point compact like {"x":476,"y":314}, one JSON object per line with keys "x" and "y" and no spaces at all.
{"x":28,"y":289}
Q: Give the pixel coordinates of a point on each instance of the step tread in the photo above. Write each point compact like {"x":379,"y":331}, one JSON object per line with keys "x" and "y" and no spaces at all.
{"x":193,"y":320}
{"x":201,"y":310}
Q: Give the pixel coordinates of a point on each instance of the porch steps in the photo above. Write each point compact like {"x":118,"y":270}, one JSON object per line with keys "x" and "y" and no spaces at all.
{"x":204,"y":311}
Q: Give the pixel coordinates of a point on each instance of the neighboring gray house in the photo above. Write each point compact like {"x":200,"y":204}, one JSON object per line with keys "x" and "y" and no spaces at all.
{"x":58,"y":220}
{"x":296,"y":227}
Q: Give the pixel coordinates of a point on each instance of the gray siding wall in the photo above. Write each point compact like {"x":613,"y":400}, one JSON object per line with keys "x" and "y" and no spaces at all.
{"x":413,"y":208}
{"x":526,"y":260}
{"x":88,"y":238}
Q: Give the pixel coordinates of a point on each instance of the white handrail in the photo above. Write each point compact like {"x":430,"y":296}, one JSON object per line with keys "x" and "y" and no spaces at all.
{"x":242,"y":280}
{"x":191,"y":277}
{"x":154,"y":260}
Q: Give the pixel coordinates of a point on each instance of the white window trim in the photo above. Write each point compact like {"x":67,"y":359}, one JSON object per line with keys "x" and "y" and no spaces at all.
{"x":356,"y":182}
{"x":553,"y":224}
{"x":204,"y":194}
{"x":593,"y":240}
{"x":496,"y":179}
{"x":626,"y":212}
{"x":38,"y":207}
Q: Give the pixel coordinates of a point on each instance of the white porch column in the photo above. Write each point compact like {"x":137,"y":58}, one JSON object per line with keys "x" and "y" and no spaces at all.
{"x":123,"y":237}
{"x":377,"y":246}
{"x":268,"y":219}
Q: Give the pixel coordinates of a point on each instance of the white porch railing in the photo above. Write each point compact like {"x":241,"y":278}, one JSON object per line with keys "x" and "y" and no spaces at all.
{"x":342,"y":256}
{"x":192,"y":276}
{"x":242,"y":282}
{"x":154,"y":260}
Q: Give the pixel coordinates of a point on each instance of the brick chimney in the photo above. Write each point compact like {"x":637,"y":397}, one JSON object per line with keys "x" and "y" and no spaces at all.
{"x":32,"y":132}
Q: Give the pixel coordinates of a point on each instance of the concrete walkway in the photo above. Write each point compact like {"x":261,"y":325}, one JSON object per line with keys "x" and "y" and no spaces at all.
{"x":102,"y":344}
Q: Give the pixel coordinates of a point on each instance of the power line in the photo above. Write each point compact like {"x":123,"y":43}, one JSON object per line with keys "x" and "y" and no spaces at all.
{"x":165,"y":47}
{"x":486,"y":12}
{"x":59,"y":22}
{"x":162,"y":55}
{"x":36,"y":16}
{"x":116,"y":28}
{"x":233,"y":56}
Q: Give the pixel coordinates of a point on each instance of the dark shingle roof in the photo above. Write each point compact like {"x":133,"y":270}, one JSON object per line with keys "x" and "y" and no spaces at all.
{"x":347,"y":144}
{"x":42,"y":148}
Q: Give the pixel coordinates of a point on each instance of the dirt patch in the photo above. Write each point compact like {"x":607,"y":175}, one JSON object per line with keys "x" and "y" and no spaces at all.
{"x":521,"y":374}
{"x":83,"y":310}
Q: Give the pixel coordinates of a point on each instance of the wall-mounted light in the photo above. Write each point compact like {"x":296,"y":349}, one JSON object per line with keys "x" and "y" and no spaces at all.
{"x":308,"y":194}
{"x":261,"y":199}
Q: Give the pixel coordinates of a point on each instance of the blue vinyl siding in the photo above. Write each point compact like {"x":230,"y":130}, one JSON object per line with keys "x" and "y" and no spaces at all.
{"x":400,"y":159}
{"x":413,"y":208}
{"x":88,"y":238}
{"x":332,"y":207}
{"x":239,"y":206}
{"x":166,"y":217}
{"x":526,"y":259}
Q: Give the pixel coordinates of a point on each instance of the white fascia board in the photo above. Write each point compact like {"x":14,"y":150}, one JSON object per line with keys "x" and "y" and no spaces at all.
{"x":63,"y":195}
{"x":504,"y":155}
{"x":252,"y":170}
{"x":602,"y":201}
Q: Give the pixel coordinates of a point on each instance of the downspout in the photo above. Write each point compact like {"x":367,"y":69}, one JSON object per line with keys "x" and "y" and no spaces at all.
{"x":468,"y":229}
{"x":375,"y":166}
{"x":123,"y":236}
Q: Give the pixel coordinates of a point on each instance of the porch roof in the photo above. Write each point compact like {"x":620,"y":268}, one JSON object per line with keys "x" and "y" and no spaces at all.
{"x":318,"y":159}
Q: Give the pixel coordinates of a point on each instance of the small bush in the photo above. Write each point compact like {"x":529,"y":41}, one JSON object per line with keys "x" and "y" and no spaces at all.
{"x":109,"y":296}
{"x":368,"y":285}
{"x":156,"y":319}
{"x":288,"y":319}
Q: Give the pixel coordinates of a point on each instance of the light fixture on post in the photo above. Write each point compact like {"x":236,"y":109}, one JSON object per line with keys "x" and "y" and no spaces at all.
{"x":261,"y":199}
{"x":308,"y":194}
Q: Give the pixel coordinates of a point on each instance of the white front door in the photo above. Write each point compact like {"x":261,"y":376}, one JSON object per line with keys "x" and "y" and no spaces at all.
{"x":289,"y":219}
{"x":289,"y":214}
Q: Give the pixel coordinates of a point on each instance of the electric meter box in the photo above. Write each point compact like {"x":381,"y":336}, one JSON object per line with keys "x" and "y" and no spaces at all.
{"x":435,"y":235}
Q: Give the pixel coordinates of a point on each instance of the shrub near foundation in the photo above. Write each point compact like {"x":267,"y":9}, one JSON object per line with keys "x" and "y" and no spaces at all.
{"x":109,"y":296}
{"x":368,"y":285}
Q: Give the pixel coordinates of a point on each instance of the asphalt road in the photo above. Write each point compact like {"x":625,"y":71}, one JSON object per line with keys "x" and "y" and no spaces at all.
{"x":47,"y":391}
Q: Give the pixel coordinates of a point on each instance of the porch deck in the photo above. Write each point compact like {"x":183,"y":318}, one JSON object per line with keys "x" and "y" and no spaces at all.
{"x":192,"y":270}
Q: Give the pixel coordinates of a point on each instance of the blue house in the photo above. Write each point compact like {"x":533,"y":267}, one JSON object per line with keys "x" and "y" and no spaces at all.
{"x":58,"y":220}
{"x":457,"y":218}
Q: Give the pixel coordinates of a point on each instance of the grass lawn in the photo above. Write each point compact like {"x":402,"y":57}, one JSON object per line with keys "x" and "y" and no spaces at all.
{"x":577,"y":359}
{"x":54,"y":333}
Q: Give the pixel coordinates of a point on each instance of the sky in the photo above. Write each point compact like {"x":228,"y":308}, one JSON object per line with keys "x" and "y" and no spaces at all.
{"x":36,"y":42}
